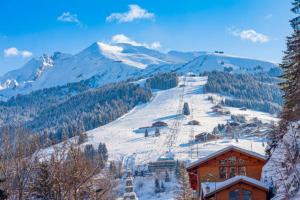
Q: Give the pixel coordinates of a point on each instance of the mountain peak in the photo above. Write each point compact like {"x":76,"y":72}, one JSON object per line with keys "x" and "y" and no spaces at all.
{"x":115,"y":62}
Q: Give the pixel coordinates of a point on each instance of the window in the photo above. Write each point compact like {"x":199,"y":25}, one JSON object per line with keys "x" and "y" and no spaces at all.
{"x":232,"y":172}
{"x":222,"y":172}
{"x":244,"y":194}
{"x":241,"y":162}
{"x":242,"y":171}
{"x":223,"y":162}
{"x":234,"y":195}
{"x":247,"y":195}
{"x":232,"y":160}
{"x":231,"y":167}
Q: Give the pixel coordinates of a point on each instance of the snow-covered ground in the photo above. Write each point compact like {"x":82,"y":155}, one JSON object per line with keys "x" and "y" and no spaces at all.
{"x":123,"y":138}
{"x":144,"y":187}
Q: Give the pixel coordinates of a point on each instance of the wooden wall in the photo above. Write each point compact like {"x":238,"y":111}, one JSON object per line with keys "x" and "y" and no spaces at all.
{"x":257,"y":194}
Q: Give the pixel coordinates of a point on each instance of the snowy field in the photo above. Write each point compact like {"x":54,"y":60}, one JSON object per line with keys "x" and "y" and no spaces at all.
{"x":123,"y":139}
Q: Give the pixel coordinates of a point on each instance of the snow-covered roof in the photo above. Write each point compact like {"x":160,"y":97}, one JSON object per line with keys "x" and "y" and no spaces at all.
{"x":129,"y":194}
{"x":226,"y":149}
{"x":217,"y":186}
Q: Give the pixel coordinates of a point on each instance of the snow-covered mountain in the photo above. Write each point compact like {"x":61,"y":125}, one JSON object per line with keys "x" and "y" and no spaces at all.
{"x":116,"y":62}
{"x":204,"y":61}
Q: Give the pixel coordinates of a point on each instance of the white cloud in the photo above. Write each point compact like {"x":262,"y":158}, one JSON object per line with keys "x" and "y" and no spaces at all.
{"x":69,"y":18}
{"x":120,"y":38}
{"x":134,"y":12}
{"x":26,"y":54}
{"x":110,"y":48}
{"x":250,"y":35}
{"x":13,"y":51}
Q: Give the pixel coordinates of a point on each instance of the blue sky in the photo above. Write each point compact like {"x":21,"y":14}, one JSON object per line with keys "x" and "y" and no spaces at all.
{"x":249,"y":28}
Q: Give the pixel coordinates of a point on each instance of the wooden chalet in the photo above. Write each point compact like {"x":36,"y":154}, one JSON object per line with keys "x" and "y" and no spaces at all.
{"x":231,"y":173}
{"x":236,"y":188}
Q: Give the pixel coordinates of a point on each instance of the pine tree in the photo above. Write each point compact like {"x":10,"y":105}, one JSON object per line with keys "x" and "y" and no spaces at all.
{"x":112,"y":168}
{"x":89,"y":151}
{"x":102,"y":151}
{"x":157,"y":132}
{"x":186,"y":109}
{"x":177,"y":169}
{"x":157,"y":186}
{"x":82,"y":138}
{"x":291,"y":68}
{"x":167,"y":177}
{"x":162,"y":187}
{"x":146,"y":133}
{"x":284,"y":138}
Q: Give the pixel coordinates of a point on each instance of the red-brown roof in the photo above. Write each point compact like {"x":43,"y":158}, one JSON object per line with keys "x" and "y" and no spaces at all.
{"x":222,"y":151}
{"x":219,"y":186}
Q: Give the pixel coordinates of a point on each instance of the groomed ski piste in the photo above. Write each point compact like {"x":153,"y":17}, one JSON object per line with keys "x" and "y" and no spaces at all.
{"x":124,"y":137}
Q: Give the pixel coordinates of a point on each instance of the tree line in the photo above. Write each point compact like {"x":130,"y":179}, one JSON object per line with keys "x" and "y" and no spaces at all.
{"x":258,"y":92}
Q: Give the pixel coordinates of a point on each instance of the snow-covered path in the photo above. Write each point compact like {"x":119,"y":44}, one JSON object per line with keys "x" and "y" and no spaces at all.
{"x":123,"y":138}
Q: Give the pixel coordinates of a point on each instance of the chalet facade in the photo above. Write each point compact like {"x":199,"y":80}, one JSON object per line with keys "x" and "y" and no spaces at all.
{"x":215,"y":176}
{"x":236,"y":188}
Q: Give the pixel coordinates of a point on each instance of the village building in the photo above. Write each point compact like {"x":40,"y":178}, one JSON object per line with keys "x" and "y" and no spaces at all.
{"x":231,"y":173}
{"x":205,"y":137}
{"x":163,"y":164}
{"x":236,"y":188}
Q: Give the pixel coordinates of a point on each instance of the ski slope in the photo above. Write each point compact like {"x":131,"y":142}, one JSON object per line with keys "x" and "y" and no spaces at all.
{"x":123,"y":140}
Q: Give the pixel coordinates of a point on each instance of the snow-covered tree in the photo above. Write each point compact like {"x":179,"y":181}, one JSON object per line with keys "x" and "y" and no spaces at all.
{"x":146,"y":133}
{"x":102,"y":151}
{"x":184,"y":189}
{"x":89,"y":151}
{"x":266,"y":97}
{"x":157,"y":188}
{"x":167,"y":177}
{"x":283,"y":167}
{"x":157,"y":132}
{"x":162,"y":187}
{"x":82,"y":138}
{"x":291,"y":67}
{"x":186,"y":109}
{"x":163,"y":81}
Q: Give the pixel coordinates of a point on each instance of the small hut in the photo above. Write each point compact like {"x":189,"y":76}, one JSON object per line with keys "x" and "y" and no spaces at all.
{"x":159,"y":124}
{"x":205,"y":136}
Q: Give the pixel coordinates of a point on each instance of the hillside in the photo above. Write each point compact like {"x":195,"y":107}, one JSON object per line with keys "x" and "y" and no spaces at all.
{"x":258,"y":92}
{"x":205,"y":62}
{"x":125,"y":136}
{"x":65,"y":111}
